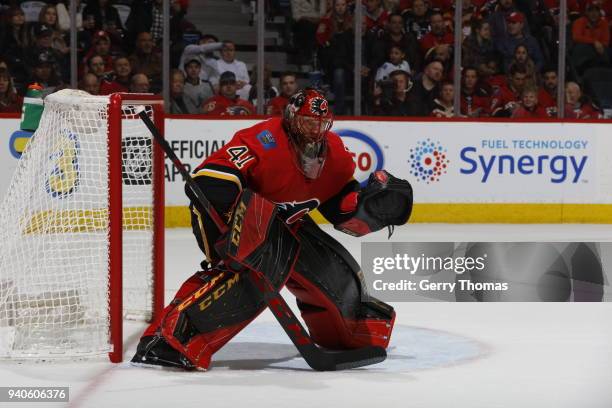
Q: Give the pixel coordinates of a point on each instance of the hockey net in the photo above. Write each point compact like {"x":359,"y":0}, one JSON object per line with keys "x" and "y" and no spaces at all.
{"x":81,"y":229}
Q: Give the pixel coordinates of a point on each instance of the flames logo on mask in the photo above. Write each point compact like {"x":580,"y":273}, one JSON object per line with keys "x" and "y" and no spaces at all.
{"x":319,"y":106}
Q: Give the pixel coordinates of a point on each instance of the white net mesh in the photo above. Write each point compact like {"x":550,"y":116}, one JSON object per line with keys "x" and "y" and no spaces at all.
{"x":54,"y":256}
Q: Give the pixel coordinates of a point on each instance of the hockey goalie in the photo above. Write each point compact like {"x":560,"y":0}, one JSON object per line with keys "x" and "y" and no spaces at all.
{"x":298,"y":164}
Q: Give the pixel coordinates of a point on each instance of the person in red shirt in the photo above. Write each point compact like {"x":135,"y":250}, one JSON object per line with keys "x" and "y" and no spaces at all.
{"x":591,"y":36}
{"x":101,"y":47}
{"x":227,"y":101}
{"x":547,"y":94}
{"x":507,"y":97}
{"x":529,"y":106}
{"x":375,"y":15}
{"x":438,"y":36}
{"x":298,"y":164}
{"x":120,"y":81}
{"x":288,"y":87}
{"x":10,"y":101}
{"x":578,"y":106}
{"x":474,"y":101}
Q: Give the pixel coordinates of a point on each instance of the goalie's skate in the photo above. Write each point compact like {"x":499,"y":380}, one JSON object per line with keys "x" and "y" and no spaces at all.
{"x":155,"y":352}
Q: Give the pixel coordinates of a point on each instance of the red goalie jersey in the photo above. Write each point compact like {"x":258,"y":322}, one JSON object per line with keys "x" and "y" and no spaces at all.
{"x":262,"y":159}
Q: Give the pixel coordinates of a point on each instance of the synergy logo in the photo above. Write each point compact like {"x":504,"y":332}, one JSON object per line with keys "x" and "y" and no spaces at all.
{"x":428,"y":161}
{"x":366,"y":152}
{"x":556,"y":160}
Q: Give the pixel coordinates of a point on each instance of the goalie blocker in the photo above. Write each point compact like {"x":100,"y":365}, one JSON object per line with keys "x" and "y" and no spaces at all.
{"x":214,"y":305}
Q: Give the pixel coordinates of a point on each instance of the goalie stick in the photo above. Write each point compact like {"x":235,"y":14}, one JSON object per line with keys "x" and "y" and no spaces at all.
{"x":317,"y":358}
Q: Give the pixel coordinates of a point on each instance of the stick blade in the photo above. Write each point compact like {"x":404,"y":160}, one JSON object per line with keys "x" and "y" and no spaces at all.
{"x":327,"y":360}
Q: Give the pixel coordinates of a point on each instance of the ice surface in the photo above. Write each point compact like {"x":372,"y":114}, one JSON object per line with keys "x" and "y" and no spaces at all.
{"x":493,"y":355}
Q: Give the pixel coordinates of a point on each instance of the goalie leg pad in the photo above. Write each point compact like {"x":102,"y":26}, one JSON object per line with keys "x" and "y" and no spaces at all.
{"x":332,"y":298}
{"x":208,"y":310}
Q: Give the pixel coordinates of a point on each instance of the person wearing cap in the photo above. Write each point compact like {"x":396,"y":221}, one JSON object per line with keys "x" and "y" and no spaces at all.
{"x":45,"y":74}
{"x":43,"y":45}
{"x":101,"y":45}
{"x":498,"y":19}
{"x":591,"y":37}
{"x":517,"y":36}
{"x":196,"y":90}
{"x":227,"y":101}
{"x":205,"y":53}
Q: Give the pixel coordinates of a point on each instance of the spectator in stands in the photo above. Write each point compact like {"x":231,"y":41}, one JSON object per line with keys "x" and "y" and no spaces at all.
{"x":86,"y":35}
{"x":477,"y":46}
{"x":547,"y":95}
{"x":335,"y":39}
{"x":10,"y":100}
{"x":507,"y":97}
{"x":306,"y":15}
{"x":145,"y":60}
{"x":95,"y":66}
{"x":204,"y":52}
{"x":227,"y":102}
{"x":196,"y":90}
{"x":145,"y":16}
{"x":249,"y":91}
{"x":177,"y":96}
{"x":375,"y":15}
{"x":48,"y":18}
{"x":591,"y":36}
{"x":394,"y":35}
{"x":438,"y":36}
{"x":396,"y":61}
{"x":443,"y":104}
{"x":578,"y":106}
{"x":529,"y":106}
{"x":396,"y":98}
{"x":491,"y":77}
{"x":516,"y":36}
{"x":521,"y":56}
{"x":90,"y":83}
{"x":45,"y":73}
{"x":288,"y":87}
{"x":14,"y":40}
{"x":106,"y":16}
{"x":426,"y":87}
{"x":475,"y":103}
{"x":140,"y":83}
{"x":228,"y":62}
{"x":101,"y":47}
{"x":119,"y":81}
{"x":498,"y":19}
{"x":44,"y":39}
{"x":416,"y":20}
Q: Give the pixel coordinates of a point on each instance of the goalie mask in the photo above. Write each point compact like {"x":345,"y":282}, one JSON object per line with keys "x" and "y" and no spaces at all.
{"x":307,"y":120}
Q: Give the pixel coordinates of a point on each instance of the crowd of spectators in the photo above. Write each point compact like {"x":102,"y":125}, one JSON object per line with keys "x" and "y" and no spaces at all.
{"x":509,"y":55}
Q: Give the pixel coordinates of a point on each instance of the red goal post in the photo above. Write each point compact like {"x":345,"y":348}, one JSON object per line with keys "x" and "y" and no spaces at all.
{"x":116,"y":114}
